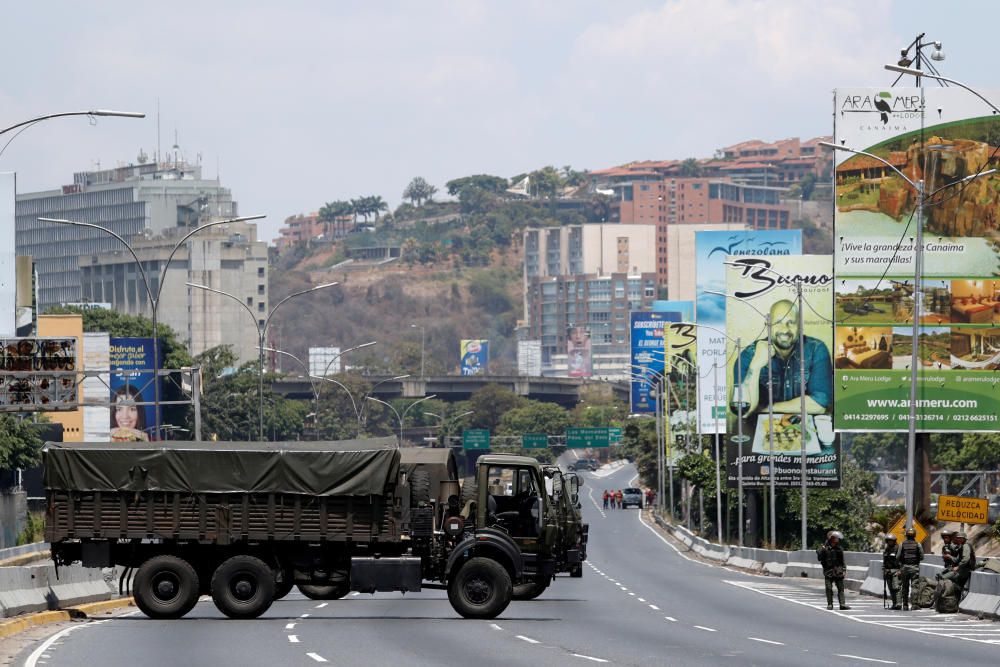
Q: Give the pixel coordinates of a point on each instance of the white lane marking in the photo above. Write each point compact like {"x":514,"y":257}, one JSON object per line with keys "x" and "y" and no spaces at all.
{"x":671,"y":619}
{"x":47,"y":644}
{"x":290,"y":626}
{"x":304,"y":616}
{"x":765,"y":641}
{"x":590,"y":493}
{"x":654,"y":607}
{"x":632,"y":594}
{"x":667,"y":542}
{"x":495,"y":626}
{"x":588,"y":657}
{"x":858,"y":657}
{"x":293,"y":639}
{"x":317,"y":657}
{"x":642,"y":599}
{"x":527,"y":639}
{"x":702,"y":627}
{"x":321,"y":605}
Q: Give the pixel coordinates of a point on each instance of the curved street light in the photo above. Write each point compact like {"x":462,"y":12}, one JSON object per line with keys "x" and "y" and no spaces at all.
{"x":401,"y":417}
{"x":154,"y":299}
{"x":261,"y":331}
{"x":342,"y":353}
{"x":25,"y":124}
{"x":376,"y":386}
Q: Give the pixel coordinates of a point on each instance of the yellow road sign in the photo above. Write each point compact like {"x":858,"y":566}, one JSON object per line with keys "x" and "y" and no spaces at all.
{"x":899,"y":530}
{"x":966,"y":510}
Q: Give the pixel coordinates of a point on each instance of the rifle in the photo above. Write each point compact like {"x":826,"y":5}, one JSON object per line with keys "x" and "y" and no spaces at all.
{"x":884,"y":591}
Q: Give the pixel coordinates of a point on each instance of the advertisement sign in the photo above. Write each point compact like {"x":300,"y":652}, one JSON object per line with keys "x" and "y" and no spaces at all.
{"x":131,"y":361}
{"x":8,"y":281}
{"x":647,"y":352}
{"x":767,"y":286}
{"x":578,"y":353}
{"x":96,"y":357}
{"x":529,"y":358}
{"x":324,"y":361}
{"x":685,"y":308}
{"x":38,"y":374}
{"x":475,"y":357}
{"x":712,"y":248}
{"x":958,"y":344}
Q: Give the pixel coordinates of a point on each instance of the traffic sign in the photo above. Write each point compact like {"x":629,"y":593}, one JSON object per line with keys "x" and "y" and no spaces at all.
{"x":965,"y":510}
{"x":475,"y":438}
{"x":899,"y":530}
{"x":535,"y":441}
{"x":614,"y":435}
{"x":581,"y":438}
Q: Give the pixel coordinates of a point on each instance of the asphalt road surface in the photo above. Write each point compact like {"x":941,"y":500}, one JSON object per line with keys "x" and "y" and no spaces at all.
{"x":640,"y":602}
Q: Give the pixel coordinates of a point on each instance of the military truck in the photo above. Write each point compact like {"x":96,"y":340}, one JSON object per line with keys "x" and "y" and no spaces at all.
{"x":243,"y":522}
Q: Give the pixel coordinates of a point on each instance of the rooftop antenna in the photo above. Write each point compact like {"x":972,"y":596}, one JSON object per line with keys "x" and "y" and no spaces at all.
{"x":176,"y":148}
{"x":159,"y":152}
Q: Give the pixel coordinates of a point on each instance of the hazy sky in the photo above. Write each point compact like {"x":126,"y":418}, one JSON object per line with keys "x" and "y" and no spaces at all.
{"x":299,"y":103}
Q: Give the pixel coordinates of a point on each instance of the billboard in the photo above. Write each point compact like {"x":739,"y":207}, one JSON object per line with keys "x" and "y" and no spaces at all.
{"x":711,"y":250}
{"x":646,"y":352}
{"x":529,"y":358}
{"x":96,"y":359}
{"x":578,"y":357}
{"x":38,"y":374}
{"x":475,"y":357}
{"x":775,"y":370}
{"x":958,"y":340}
{"x":8,"y":281}
{"x":131,"y":362}
{"x":324,"y":361}
{"x":685,"y":308}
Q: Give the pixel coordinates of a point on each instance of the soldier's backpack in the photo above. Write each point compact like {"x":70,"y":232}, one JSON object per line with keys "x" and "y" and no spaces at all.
{"x":948,"y":596}
{"x":922,"y":594}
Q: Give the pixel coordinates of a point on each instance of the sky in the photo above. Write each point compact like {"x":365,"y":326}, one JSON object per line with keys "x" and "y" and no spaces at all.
{"x":295,"y":104}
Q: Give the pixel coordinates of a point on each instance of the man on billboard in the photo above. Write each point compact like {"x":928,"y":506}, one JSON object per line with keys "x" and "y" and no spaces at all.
{"x":783,"y":367}
{"x":578,"y":352}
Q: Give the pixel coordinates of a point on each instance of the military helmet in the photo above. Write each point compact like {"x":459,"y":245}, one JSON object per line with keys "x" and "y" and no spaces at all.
{"x":911,"y":532}
{"x":959,"y":535}
{"x":947,"y":533}
{"x":836,"y":533}
{"x":890,"y":537}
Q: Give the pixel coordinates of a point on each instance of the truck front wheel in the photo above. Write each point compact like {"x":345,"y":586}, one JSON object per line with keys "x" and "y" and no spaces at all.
{"x":243,"y":587}
{"x":480,"y":589}
{"x":166,"y":587}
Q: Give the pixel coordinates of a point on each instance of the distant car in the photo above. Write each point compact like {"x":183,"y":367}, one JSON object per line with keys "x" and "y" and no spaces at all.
{"x":631,"y":497}
{"x":583,"y":464}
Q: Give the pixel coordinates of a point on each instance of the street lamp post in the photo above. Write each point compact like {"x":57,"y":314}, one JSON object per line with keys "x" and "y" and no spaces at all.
{"x":922,"y":197}
{"x":154,"y":299}
{"x":443,"y":419}
{"x":342,"y":353}
{"x":687,"y":421}
{"x":660,"y":383}
{"x":376,"y":386}
{"x":261,"y":333}
{"x":770,"y":410}
{"x":401,"y":417}
{"x":25,"y":124}
{"x":423,"y":338}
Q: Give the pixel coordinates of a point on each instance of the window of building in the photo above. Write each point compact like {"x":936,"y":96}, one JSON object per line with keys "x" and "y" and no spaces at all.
{"x":260,"y":289}
{"x":644,"y":188}
{"x":260,"y":271}
{"x":249,"y":300}
{"x":260,"y":323}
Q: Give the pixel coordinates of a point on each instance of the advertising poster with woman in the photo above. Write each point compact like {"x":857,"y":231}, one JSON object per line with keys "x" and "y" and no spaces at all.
{"x":132,"y":376}
{"x":765,"y":375}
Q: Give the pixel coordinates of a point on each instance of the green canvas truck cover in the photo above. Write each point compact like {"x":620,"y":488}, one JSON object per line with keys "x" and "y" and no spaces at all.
{"x":318,"y":468}
{"x":439,"y":462}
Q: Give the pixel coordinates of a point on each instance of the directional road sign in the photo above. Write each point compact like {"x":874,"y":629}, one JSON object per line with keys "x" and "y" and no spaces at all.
{"x":535,"y":441}
{"x":475,"y":438}
{"x":581,"y":438}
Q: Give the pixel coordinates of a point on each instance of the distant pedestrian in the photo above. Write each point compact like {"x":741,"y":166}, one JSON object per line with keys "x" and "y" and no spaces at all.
{"x":890,"y":571}
{"x":831,"y":557}
{"x":605,"y":498}
{"x":909,"y":555}
{"x":618,"y":497}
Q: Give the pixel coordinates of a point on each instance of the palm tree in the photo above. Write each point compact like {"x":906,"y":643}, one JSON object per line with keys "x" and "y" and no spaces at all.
{"x":376,"y":205}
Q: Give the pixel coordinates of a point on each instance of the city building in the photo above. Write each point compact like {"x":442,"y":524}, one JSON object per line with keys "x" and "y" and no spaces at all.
{"x":681,"y":266}
{"x":583,"y":249}
{"x":306,"y":228}
{"x":224,"y":257}
{"x":134,"y":201}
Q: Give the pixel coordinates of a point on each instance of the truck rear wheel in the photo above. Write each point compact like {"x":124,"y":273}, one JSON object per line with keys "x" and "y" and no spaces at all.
{"x":480,"y":589}
{"x":243,"y":587}
{"x":166,"y":587}
{"x":576,"y":572}
{"x":529,"y":590}
{"x":469,"y":491}
{"x":420,"y":487}
{"x":324,"y":592}
{"x":283,"y":587}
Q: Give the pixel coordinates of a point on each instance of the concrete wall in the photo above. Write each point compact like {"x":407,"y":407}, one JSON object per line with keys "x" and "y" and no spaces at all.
{"x":13,"y":516}
{"x":31,"y":588}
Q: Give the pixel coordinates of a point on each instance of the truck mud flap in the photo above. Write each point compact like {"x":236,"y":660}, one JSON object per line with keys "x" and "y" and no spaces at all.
{"x":371,"y":575}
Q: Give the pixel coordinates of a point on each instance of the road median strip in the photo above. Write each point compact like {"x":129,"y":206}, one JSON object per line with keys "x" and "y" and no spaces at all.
{"x":11,"y":627}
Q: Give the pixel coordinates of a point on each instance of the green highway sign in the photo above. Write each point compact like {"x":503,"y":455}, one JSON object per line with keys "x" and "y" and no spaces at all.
{"x":535,"y":441}
{"x":580,"y":438}
{"x":475,"y":438}
{"x":614,"y":435}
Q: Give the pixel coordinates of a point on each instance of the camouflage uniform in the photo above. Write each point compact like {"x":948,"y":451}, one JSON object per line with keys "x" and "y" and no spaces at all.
{"x":890,"y":571}
{"x":831,"y":557}
{"x":909,"y":555}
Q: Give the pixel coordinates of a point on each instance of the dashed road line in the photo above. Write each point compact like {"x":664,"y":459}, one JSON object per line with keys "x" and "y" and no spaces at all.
{"x":321,"y":605}
{"x":642,"y":599}
{"x":765,"y":641}
{"x":671,"y":619}
{"x":317,"y":657}
{"x":654,"y":607}
{"x":706,"y":629}
{"x":859,"y":657}
{"x":527,"y":639}
{"x":588,"y":657}
{"x":290,"y":626}
{"x":293,"y":639}
{"x":495,"y":626}
{"x":304,"y":616}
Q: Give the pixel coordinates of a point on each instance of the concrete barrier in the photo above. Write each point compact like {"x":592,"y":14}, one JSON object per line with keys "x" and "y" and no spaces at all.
{"x":32,"y":588}
{"x":984,"y":595}
{"x":23,"y":550}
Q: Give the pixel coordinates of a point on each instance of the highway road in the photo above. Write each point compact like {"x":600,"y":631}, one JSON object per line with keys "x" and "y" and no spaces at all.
{"x":640,"y":602}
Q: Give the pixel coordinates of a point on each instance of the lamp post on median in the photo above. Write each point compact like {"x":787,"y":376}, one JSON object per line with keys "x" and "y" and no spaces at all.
{"x":261,"y":332}
{"x":687,"y":418}
{"x":342,"y":353}
{"x":93,"y":113}
{"x":922,"y":197}
{"x":660,"y":384}
{"x":442,"y":419}
{"x":154,"y":299}
{"x":401,"y":417}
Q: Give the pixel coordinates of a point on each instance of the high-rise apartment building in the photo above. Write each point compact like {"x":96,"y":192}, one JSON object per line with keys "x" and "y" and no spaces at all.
{"x":135,"y":201}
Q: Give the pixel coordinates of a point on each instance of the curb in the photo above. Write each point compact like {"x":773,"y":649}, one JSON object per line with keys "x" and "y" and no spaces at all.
{"x":78,"y":612}
{"x":25,"y":559}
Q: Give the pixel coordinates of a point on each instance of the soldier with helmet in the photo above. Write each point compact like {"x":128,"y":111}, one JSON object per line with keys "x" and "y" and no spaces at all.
{"x":959,"y":569}
{"x":890,"y":569}
{"x":909,"y":555}
{"x":831,"y":557}
{"x":947,"y":548}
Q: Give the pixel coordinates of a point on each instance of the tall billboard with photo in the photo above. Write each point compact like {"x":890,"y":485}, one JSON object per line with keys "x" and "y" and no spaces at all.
{"x":132,"y":377}
{"x":766,"y":286}
{"x":711,"y":251}
{"x":578,"y":356}
{"x":475,"y":357}
{"x":38,"y":374}
{"x":876,"y":217}
{"x":647,"y":352}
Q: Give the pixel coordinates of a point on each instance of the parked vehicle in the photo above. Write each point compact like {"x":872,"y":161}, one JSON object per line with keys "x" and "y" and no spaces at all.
{"x":244,"y":522}
{"x":631,"y":497}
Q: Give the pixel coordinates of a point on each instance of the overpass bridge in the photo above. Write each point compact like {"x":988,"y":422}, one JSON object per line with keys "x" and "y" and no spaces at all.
{"x":453,"y":388}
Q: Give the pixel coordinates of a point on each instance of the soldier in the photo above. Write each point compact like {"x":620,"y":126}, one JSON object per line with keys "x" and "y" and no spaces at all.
{"x":947,"y":548}
{"x":963,"y":560}
{"x":909,"y":555}
{"x":890,"y":570}
{"x":831,"y":557}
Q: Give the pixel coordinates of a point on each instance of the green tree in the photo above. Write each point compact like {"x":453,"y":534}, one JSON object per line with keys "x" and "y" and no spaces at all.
{"x":545,"y":183}
{"x":419,"y":191}
{"x":691,"y":168}
{"x":847,"y":509}
{"x":214,"y":361}
{"x":493,"y":184}
{"x":534,"y":417}
{"x":489,"y":405}
{"x":232,"y":408}
{"x":19,"y":443}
